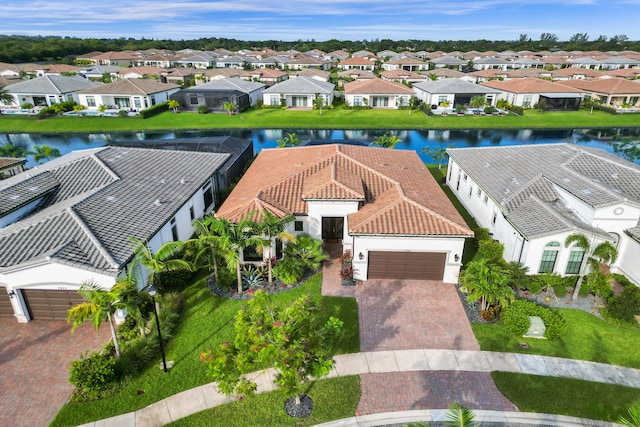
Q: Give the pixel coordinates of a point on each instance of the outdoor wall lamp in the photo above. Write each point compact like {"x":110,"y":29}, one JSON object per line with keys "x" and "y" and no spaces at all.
{"x":12,"y":294}
{"x":360,"y":256}
{"x":456,"y":257}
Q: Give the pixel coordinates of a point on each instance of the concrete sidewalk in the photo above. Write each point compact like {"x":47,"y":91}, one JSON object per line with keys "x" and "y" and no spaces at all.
{"x":207,"y":396}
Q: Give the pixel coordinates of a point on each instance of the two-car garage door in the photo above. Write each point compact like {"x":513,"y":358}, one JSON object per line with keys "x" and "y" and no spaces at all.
{"x":406,"y":265}
{"x":49,"y":304}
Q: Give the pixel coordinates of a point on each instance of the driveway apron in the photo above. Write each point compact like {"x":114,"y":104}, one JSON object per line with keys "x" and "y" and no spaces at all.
{"x":35,"y":360}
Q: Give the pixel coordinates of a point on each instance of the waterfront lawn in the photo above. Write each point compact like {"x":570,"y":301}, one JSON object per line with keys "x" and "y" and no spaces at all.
{"x":587,"y":338}
{"x":563,"y":396}
{"x":206,"y":322}
{"x":333,"y":399}
{"x":338,"y":118}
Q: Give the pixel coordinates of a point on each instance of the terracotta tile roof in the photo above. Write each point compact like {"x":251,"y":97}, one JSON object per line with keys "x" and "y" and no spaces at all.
{"x":573,"y":71}
{"x":356,"y":60}
{"x":6,"y":162}
{"x":399,"y":194}
{"x":143,"y":70}
{"x":625,"y":73}
{"x":376,"y":86}
{"x":265,"y":73}
{"x":401,"y":74}
{"x":528,"y":85}
{"x":611,"y":86}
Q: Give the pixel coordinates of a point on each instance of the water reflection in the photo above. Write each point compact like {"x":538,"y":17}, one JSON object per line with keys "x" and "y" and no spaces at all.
{"x":622,"y":142}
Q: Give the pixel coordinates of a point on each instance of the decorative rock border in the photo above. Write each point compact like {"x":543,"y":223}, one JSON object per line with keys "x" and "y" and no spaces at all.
{"x":230,"y":292}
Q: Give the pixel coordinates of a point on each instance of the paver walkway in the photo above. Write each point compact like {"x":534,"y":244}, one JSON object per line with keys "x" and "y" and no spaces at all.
{"x":35,"y":360}
{"x":441,"y":365}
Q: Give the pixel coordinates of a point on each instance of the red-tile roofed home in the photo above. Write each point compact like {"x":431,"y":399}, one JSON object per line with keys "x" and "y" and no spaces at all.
{"x":377,"y":93}
{"x":381,"y":204}
{"x":616,"y":92}
{"x":527,"y":92}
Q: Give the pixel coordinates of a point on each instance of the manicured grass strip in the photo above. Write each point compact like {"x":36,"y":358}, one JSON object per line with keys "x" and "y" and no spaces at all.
{"x":587,"y":338}
{"x":576,"y":398}
{"x":206,"y":322}
{"x":338,"y":118}
{"x":333,"y":399}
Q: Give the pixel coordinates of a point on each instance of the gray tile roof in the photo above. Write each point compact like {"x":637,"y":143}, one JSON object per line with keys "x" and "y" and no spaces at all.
{"x":104,"y":196}
{"x":301,"y":85}
{"x":525,"y":181}
{"x":25,"y":192}
{"x":131,"y":87}
{"x":52,"y":84}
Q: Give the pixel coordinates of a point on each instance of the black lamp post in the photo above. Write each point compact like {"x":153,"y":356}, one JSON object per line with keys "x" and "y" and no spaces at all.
{"x":152,"y":292}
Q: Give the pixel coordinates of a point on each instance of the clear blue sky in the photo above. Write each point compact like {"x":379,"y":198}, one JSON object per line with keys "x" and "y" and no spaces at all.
{"x":321,"y":19}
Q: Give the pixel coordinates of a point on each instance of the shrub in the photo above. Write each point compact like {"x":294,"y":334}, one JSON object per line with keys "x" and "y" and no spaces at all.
{"x":516,"y":109}
{"x":289,"y":270}
{"x":482,"y":234}
{"x":490,"y":249}
{"x":93,"y":375}
{"x":203,"y":109}
{"x":123,"y":113}
{"x":26,"y":106}
{"x":490,"y":109}
{"x":153,"y":110}
{"x":516,"y":319}
{"x":625,"y":306}
{"x":173,"y":280}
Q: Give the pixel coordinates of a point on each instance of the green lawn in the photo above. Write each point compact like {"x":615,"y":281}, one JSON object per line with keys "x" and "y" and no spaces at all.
{"x":206,"y":322}
{"x":339,"y":118}
{"x":587,"y":338}
{"x":333,"y":399}
{"x":532,"y":393}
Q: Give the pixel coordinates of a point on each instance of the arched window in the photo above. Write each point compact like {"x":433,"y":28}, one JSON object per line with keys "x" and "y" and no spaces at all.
{"x":549,"y":257}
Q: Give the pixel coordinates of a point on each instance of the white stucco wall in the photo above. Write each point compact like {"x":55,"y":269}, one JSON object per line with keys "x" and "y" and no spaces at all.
{"x":319,"y":209}
{"x":627,"y":263}
{"x":450,"y":245}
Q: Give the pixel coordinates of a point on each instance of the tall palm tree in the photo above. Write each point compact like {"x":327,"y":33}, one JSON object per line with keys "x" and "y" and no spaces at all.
{"x":271,"y":227}
{"x":160,"y":261}
{"x":99,"y":305}
{"x":594,"y":258}
{"x":207,"y":243}
{"x":234,"y":238}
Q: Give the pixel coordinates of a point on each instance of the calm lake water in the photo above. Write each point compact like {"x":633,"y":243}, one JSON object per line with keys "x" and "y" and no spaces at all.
{"x":417,"y":140}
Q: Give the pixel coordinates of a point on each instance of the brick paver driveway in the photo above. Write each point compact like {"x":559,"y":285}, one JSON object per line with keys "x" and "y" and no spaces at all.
{"x":34,"y":358}
{"x":412,"y":314}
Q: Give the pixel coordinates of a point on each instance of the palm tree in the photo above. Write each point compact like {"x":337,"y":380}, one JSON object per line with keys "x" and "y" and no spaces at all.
{"x":5,"y":96}
{"x":207,"y":242}
{"x":271,"y":227}
{"x":99,"y":306}
{"x":603,"y":253}
{"x":386,"y":141}
{"x":160,"y":261}
{"x":174,"y":105}
{"x":229,"y":107}
{"x":488,"y":283}
{"x":234,"y":238}
{"x":634,"y":418}
{"x":44,"y":152}
{"x":439,"y":154}
{"x":459,"y":416}
{"x":13,"y":151}
{"x":478,"y":102}
{"x":291,"y":140}
{"x":318,"y":102}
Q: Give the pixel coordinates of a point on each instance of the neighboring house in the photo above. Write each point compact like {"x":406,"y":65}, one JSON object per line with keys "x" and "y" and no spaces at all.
{"x":448,"y":62}
{"x":69,"y":221}
{"x":447,"y":73}
{"x":201,"y":61}
{"x":314,"y":73}
{"x":136,"y":94}
{"x":180,"y":76}
{"x":491,"y":63}
{"x":406,"y":64}
{"x":575,"y":73}
{"x":381,"y":204}
{"x":337,"y":55}
{"x":403,"y":76}
{"x":48,"y":90}
{"x":19,"y":70}
{"x":299,"y":92}
{"x":624,"y":73}
{"x":532,"y":206}
{"x":217,"y":93}
{"x":233,"y":62}
{"x":301,"y":63}
{"x":10,"y":166}
{"x":121,"y":59}
{"x":357,"y":63}
{"x":614,"y":92}
{"x":527,"y":63}
{"x":377,"y":93}
{"x":57,"y":69}
{"x":528,"y":92}
{"x":267,"y":76}
{"x":356,"y":74}
{"x":218,"y":73}
{"x":140,"y":72}
{"x":98,"y":72}
{"x":453,"y":92}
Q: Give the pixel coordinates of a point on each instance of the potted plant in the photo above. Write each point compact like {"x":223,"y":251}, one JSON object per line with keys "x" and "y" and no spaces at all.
{"x":489,"y":110}
{"x":346,"y":275}
{"x":460,"y":109}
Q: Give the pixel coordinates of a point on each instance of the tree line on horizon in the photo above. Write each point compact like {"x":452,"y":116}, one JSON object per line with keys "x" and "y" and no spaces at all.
{"x":19,"y":48}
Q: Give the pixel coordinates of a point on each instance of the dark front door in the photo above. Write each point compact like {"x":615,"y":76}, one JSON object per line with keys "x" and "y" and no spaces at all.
{"x":332,"y":228}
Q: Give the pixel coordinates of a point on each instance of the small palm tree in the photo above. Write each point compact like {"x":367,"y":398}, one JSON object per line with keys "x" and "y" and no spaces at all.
{"x":207,"y":243}
{"x":160,"y":261}
{"x":174,"y":105}
{"x":634,"y":418}
{"x":594,"y":258}
{"x":290,"y":140}
{"x":459,"y":416}
{"x":478,"y":102}
{"x":234,"y":238}
{"x":230,"y":107}
{"x":488,"y":283}
{"x":271,"y":227}
{"x":45,"y":152}
{"x":386,"y":141}
{"x":99,"y":306}
{"x":5,"y":96}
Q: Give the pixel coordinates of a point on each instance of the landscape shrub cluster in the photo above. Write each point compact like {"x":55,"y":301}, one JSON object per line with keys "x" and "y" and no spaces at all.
{"x":516,"y":319}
